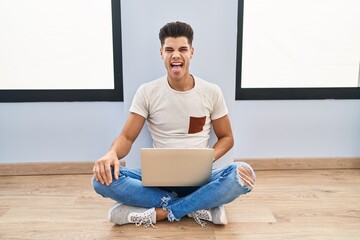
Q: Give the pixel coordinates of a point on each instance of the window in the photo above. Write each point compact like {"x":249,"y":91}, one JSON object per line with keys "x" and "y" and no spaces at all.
{"x":60,"y":51}
{"x":296,"y":49}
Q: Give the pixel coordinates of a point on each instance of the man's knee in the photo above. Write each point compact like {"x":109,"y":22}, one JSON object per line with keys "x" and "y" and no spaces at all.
{"x":246,"y":175}
{"x":98,"y":186}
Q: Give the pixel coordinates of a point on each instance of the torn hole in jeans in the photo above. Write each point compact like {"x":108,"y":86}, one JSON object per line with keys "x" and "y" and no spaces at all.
{"x":164,"y":204}
{"x":244,"y":179}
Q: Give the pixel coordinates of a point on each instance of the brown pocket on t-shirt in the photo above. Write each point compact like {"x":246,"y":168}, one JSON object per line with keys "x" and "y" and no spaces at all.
{"x":196,"y":124}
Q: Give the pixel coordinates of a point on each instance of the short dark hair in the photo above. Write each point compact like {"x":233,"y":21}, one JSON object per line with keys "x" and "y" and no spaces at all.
{"x":176,"y":29}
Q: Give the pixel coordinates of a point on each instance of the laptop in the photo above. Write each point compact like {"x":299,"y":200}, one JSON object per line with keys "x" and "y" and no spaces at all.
{"x":171,"y":167}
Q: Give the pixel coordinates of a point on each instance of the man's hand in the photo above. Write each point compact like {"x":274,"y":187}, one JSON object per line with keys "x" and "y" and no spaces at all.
{"x":119,"y":149}
{"x":102,"y":169}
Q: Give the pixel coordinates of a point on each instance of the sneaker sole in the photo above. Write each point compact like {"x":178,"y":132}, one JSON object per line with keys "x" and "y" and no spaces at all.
{"x":223,"y":218}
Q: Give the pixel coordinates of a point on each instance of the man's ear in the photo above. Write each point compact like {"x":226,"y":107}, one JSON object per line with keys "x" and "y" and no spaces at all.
{"x":161,"y":53}
{"x":192,"y":52}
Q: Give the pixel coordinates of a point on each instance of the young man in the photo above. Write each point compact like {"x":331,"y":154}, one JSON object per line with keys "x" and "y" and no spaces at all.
{"x":180,"y":109}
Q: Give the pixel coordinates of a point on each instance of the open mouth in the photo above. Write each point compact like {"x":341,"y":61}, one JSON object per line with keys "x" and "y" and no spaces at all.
{"x":176,"y":67}
{"x":176,"y":64}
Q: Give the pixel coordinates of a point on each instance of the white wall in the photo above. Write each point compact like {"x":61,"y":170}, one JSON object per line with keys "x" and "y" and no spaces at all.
{"x":53,"y":132}
{"x":313,"y":128}
{"x":50,"y":132}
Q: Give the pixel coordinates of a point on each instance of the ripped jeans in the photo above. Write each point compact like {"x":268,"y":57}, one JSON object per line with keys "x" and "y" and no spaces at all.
{"x":224,"y":187}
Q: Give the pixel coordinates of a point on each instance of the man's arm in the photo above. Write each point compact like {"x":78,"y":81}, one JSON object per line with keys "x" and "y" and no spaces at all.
{"x":119,"y":149}
{"x":222,"y":129}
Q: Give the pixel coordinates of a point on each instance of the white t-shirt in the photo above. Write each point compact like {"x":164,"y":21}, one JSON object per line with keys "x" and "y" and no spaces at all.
{"x":179,"y":119}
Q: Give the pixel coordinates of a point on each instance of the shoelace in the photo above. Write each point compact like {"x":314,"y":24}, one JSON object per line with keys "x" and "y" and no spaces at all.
{"x":143,"y":219}
{"x":201,"y":215}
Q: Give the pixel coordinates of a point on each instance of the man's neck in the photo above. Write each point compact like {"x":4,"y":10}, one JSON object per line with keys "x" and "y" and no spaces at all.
{"x":183,"y":84}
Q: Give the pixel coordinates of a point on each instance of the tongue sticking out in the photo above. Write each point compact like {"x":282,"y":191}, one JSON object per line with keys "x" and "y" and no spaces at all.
{"x":176,"y":68}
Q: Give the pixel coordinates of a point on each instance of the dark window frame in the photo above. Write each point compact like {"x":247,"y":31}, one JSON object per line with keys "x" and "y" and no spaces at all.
{"x":282,"y":93}
{"x":115,"y":94}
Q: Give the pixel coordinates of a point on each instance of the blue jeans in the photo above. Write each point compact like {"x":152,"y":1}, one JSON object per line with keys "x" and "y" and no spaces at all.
{"x":224,"y":187}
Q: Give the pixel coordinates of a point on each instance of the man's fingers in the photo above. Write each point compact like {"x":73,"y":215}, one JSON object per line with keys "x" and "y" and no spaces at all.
{"x":94,"y":172}
{"x":107,"y":172}
{"x":101,"y":173}
{"x":116,"y":169}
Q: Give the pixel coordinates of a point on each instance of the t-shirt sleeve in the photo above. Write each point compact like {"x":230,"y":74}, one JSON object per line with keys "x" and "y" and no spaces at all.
{"x":219,"y":105}
{"x":139,"y":104}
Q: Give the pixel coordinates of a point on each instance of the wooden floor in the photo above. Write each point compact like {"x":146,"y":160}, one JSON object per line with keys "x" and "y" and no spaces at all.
{"x":295,"y":204}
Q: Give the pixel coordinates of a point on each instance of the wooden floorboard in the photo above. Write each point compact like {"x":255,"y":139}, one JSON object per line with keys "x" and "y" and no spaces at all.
{"x":292,"y":204}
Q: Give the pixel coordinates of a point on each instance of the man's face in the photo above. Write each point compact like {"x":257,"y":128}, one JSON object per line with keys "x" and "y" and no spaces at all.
{"x":177,"y":53}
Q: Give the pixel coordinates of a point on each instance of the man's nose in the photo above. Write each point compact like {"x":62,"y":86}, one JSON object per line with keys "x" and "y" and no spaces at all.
{"x":176,"y":54}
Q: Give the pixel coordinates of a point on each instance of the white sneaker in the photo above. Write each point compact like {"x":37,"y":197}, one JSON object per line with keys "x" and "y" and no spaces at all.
{"x":123,"y":214}
{"x":216,"y":215}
